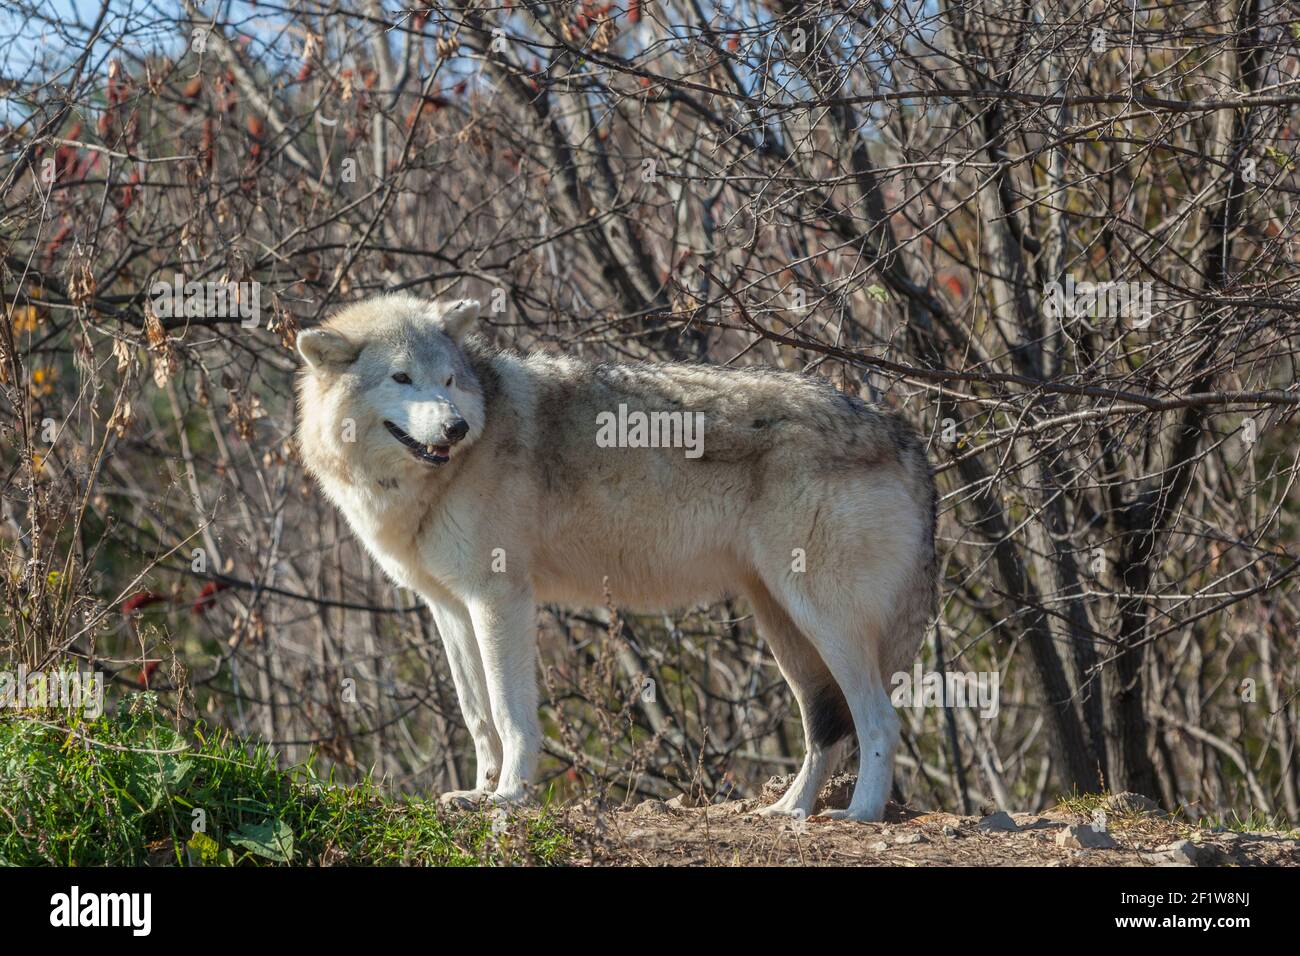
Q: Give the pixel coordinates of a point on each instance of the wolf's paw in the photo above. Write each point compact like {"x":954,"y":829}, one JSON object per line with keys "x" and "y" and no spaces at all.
{"x":779,"y":809}
{"x":509,"y":798}
{"x":859,"y":816}
{"x":465,"y":799}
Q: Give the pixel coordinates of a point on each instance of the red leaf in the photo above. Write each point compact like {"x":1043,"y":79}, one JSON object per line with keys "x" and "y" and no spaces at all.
{"x":140,"y":599}
{"x":58,"y":239}
{"x":207,"y":597}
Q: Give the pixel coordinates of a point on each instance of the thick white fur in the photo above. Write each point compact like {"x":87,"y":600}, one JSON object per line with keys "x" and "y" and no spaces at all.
{"x":789,"y":467}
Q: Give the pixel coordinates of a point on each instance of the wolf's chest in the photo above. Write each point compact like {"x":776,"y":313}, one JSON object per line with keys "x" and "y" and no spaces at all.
{"x":389,"y":527}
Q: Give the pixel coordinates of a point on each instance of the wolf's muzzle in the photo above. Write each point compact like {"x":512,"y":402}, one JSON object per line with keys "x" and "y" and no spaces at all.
{"x":429,"y":454}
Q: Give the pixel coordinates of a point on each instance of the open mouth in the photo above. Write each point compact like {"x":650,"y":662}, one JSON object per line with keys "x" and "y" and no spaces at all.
{"x":429,"y":454}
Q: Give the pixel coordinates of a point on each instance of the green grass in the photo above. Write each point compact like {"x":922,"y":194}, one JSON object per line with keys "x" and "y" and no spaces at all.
{"x":132,"y":790}
{"x":1255,"y":821}
{"x":1085,"y":805}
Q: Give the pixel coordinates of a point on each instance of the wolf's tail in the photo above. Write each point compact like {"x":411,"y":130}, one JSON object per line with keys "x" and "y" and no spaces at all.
{"x":918,"y":602}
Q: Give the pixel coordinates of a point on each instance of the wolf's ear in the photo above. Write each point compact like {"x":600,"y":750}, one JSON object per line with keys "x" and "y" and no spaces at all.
{"x":458,"y":316}
{"x":323,"y":348}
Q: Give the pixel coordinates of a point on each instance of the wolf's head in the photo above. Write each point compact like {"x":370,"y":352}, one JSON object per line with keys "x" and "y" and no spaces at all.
{"x":387,"y":386}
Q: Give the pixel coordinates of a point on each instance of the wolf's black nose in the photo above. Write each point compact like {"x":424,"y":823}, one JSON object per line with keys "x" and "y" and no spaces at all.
{"x":456,"y":430}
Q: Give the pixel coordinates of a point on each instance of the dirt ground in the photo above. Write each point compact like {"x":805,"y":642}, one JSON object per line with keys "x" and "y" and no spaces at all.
{"x":1123,"y":830}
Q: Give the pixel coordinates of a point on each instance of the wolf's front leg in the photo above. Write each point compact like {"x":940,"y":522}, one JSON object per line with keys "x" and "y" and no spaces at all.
{"x":457,"y":632}
{"x":506,"y":628}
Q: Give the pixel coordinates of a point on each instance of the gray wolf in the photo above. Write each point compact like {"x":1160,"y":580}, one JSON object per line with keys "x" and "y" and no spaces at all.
{"x":485,"y":481}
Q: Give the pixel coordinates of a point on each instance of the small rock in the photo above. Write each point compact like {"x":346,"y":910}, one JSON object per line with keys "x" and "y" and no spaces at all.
{"x":1130,"y":803}
{"x":951,"y":831}
{"x":1086,"y":837}
{"x":775,"y":787}
{"x":1032,"y":821}
{"x":1178,"y":853}
{"x":999,"y":822}
{"x":1187,"y":853}
{"x":651,"y":808}
{"x":907,"y":839}
{"x":879,"y":847}
{"x":682,"y":802}
{"x":838,"y":790}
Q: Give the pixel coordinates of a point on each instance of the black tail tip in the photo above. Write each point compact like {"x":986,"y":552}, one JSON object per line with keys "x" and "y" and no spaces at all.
{"x":829,"y":719}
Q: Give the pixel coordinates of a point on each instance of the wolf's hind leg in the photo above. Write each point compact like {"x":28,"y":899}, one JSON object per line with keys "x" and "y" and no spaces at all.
{"x":878,"y":730}
{"x":457,"y":632}
{"x":848,"y":642}
{"x":826,"y":718}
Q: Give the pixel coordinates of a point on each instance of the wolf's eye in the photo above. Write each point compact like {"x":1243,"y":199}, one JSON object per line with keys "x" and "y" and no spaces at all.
{"x":450,"y":379}
{"x":401,"y":378}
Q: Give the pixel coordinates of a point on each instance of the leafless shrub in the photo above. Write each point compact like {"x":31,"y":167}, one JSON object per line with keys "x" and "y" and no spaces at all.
{"x":909,"y":199}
